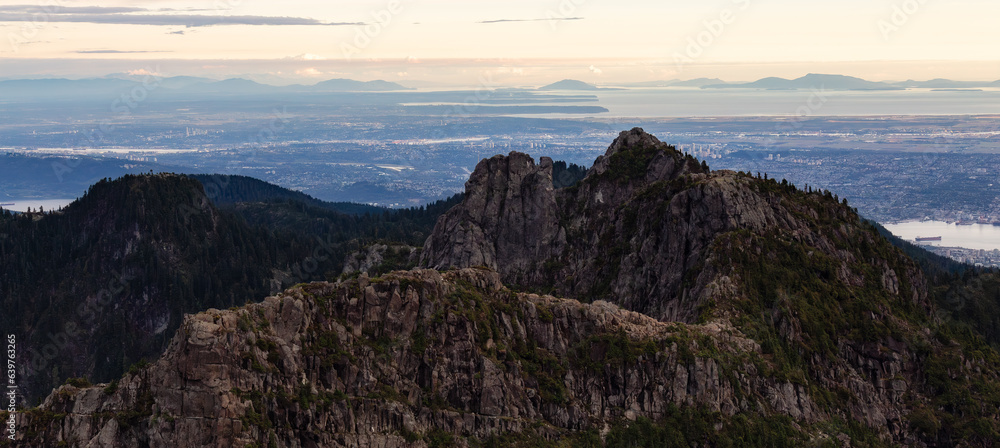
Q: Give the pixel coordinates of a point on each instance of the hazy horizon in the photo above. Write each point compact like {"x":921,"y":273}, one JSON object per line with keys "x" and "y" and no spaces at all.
{"x":486,"y":78}
{"x":504,"y":43}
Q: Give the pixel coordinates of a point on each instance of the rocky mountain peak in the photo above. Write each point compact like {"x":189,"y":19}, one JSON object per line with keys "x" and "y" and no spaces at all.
{"x":637,"y":155}
{"x":509,"y":197}
{"x":634,"y":138}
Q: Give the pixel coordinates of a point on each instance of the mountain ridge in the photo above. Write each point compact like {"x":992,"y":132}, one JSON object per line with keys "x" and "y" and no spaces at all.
{"x":700,"y":307}
{"x":655,"y":232}
{"x":430,"y":333}
{"x":573,"y":84}
{"x":810,"y":81}
{"x":117,"y":268}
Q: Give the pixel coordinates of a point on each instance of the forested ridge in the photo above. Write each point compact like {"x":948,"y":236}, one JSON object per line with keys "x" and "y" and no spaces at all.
{"x":131,"y":256}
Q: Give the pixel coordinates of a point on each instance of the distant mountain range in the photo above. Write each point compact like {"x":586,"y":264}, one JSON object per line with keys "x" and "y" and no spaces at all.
{"x":841,"y":82}
{"x":70,"y":88}
{"x":810,"y":81}
{"x":697,"y":82}
{"x":62,"y":89}
{"x":947,"y":84}
{"x":572,"y":84}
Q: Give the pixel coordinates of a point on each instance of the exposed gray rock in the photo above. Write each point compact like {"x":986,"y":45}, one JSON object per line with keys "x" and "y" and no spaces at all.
{"x":375,"y":256}
{"x":454,"y":351}
{"x":637,"y":231}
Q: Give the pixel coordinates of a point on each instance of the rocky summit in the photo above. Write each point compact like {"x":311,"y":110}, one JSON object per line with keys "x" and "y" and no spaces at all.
{"x":643,"y":229}
{"x":653,"y":303}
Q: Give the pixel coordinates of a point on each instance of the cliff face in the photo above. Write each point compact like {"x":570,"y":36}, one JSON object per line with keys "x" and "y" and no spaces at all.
{"x":834,"y":305}
{"x":417,"y":357}
{"x":639,"y":230}
{"x":394,"y":360}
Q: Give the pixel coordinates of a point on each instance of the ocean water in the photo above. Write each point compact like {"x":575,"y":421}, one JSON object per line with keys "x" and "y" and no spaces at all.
{"x":976,"y":236}
{"x":692,"y":102}
{"x":21,"y":205}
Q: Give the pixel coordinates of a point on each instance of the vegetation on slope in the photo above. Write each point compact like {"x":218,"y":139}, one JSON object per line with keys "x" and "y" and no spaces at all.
{"x":810,"y":311}
{"x":122,"y":264}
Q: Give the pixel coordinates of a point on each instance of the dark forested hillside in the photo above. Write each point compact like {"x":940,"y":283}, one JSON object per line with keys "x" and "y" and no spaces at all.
{"x":109,"y":278}
{"x":121,"y":265}
{"x":969,"y":297}
{"x":225,"y":189}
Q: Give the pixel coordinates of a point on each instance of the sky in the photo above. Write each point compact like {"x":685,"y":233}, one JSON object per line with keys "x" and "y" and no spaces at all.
{"x":509,"y":42}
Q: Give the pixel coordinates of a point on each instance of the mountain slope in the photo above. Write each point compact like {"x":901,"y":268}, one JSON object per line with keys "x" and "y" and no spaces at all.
{"x":833,"y":303}
{"x":639,"y":225}
{"x":422,"y":358}
{"x":225,"y":190}
{"x":109,"y":278}
{"x":415,"y":358}
{"x":104,"y":283}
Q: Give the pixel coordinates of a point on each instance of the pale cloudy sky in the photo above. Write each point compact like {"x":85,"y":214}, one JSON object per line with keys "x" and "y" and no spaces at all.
{"x":509,"y":42}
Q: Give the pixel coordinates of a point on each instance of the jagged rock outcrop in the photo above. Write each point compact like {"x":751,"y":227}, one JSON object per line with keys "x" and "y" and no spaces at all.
{"x":414,"y":357}
{"x":637,"y":231}
{"x":381,"y":258}
{"x":833,"y":304}
{"x":508,"y":218}
{"x":387,"y":361}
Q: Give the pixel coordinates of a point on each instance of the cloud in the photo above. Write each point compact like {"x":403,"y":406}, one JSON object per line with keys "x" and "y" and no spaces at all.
{"x":516,"y":71}
{"x":142,"y":72}
{"x":595,"y":70}
{"x":309,"y":72}
{"x":142,"y":16}
{"x":118,"y":51}
{"x":55,"y":9}
{"x":307,"y":57}
{"x":181,"y":32}
{"x":530,"y":20}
